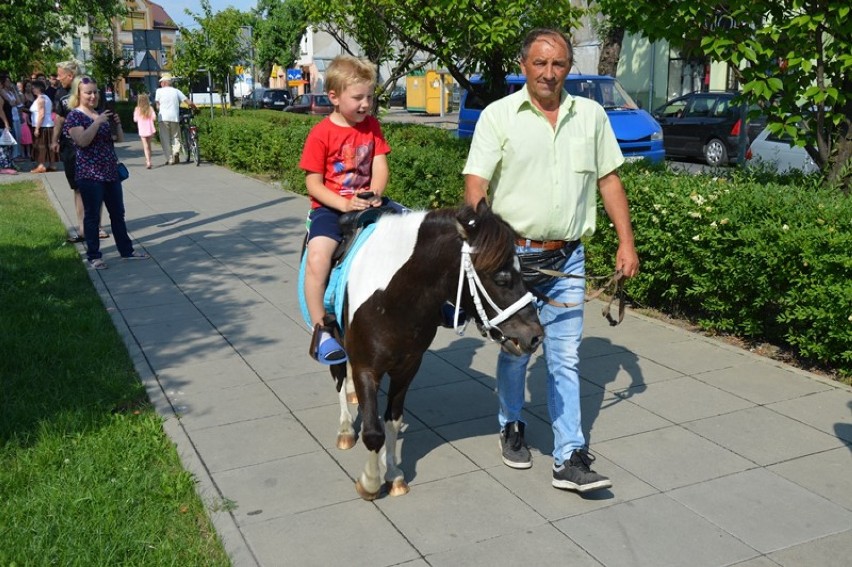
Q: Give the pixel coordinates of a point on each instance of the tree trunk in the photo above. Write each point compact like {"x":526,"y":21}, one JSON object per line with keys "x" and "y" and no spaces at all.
{"x":610,"y":51}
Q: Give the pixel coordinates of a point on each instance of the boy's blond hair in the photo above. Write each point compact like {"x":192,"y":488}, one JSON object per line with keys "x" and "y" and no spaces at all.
{"x":345,"y":70}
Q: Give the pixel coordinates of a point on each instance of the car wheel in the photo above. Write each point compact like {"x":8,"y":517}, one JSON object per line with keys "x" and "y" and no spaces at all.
{"x":715,"y":153}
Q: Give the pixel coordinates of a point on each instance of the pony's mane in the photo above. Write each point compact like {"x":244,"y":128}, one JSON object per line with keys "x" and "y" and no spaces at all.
{"x":491,"y":237}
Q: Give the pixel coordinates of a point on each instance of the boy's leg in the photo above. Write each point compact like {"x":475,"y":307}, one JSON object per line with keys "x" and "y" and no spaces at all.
{"x":317,"y":269}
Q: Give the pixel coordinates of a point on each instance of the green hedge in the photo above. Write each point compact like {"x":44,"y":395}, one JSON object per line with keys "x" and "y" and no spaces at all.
{"x":424,"y":161}
{"x":752,"y":254}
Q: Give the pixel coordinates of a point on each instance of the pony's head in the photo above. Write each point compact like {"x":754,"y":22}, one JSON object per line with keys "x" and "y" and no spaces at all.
{"x":492,"y":244}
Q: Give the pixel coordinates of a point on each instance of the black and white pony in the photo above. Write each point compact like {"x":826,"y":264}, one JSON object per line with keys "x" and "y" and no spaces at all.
{"x":400,"y":278}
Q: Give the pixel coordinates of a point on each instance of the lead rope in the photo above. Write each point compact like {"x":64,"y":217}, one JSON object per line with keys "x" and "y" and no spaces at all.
{"x":475,"y":284}
{"x":615,"y":285}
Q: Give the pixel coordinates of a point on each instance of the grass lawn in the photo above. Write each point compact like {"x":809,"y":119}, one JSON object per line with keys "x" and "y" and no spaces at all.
{"x":87,"y":475}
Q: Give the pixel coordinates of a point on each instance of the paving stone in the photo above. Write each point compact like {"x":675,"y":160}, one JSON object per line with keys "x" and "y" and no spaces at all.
{"x":830,"y":551}
{"x":671,"y":457}
{"x":829,"y":411}
{"x":826,"y":474}
{"x":452,"y":512}
{"x":314,"y":538}
{"x":539,"y":545}
{"x":762,"y":382}
{"x":245,"y":443}
{"x":273,"y":489}
{"x":686,"y":399}
{"x":763,"y":510}
{"x":648,"y":532}
{"x":753,"y":433}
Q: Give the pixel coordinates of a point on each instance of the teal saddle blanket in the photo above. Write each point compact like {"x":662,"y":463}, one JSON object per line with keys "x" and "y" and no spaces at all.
{"x":335,"y":292}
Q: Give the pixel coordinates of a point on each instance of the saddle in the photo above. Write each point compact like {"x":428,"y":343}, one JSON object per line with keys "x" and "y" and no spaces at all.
{"x":351,"y":224}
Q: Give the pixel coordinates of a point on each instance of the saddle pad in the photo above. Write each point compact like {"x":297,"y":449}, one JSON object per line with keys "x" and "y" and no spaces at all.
{"x":335,"y":292}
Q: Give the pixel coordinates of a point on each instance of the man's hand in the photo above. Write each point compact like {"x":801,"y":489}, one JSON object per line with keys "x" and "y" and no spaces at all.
{"x":627,"y":260}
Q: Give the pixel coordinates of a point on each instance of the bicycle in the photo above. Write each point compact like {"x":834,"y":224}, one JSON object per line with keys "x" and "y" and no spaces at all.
{"x":189,"y":137}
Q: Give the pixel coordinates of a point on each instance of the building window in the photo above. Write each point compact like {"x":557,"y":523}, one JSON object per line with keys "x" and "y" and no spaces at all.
{"x":127,"y":52}
{"x":134,"y":21}
{"x":77,"y":48}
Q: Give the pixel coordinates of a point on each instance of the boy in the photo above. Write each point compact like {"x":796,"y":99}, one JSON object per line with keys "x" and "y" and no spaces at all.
{"x":344,"y":156}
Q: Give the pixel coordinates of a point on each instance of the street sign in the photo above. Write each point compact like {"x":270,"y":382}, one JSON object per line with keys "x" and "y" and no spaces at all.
{"x":294,"y":74}
{"x":144,"y":62}
{"x":144,"y":40}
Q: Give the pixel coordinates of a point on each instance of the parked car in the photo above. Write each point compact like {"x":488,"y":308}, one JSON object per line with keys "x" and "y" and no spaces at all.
{"x":778,"y":152}
{"x":639,"y":136}
{"x":253,"y":100}
{"x":276,"y":99}
{"x":398,"y":97}
{"x":705,"y":126}
{"x":311,"y":103}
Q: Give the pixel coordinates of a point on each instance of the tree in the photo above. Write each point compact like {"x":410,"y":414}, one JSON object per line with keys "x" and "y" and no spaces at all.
{"x":214,"y":46}
{"x":30,"y":29}
{"x":108,"y":64}
{"x":279,"y":27}
{"x":474,"y":36}
{"x":347,"y":20}
{"x":793,"y":57}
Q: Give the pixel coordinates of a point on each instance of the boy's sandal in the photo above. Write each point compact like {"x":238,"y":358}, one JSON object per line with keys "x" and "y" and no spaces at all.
{"x":97,"y":264}
{"x":102,"y":234}
{"x":136,"y":256}
{"x":330,"y":352}
{"x":75,"y":239}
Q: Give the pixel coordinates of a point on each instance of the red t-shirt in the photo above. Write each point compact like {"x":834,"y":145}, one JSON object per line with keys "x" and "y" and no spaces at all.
{"x":344,"y":155}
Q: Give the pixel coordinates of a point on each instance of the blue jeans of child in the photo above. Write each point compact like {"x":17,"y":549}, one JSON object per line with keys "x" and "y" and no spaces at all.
{"x":110,"y":194}
{"x":563,"y":330}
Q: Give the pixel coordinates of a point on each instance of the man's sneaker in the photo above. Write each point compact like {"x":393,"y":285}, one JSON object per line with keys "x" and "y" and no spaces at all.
{"x":575,"y":474}
{"x":516,"y":454}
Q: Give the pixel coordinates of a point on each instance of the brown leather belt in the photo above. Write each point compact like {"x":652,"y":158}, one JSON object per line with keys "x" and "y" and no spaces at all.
{"x":546,"y":245}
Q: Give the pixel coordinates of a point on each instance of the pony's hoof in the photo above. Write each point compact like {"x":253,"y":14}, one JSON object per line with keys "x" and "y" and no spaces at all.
{"x":352,"y":398}
{"x":397,"y":488}
{"x":345,"y":442}
{"x":362,"y":492}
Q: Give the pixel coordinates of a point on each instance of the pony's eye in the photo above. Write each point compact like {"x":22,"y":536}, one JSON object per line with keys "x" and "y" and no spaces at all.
{"x":503,"y":278}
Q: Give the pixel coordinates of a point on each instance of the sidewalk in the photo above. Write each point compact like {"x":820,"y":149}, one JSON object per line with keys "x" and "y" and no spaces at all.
{"x":718,"y":457}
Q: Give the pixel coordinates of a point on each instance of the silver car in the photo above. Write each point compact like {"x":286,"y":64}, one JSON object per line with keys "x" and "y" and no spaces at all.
{"x":777,"y":151}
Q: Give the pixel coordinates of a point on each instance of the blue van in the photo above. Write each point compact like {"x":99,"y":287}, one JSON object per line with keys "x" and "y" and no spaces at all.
{"x":638,"y":134}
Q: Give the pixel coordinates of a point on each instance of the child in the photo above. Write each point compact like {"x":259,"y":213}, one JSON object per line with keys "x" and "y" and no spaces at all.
{"x":344,"y":155}
{"x":144,"y":116}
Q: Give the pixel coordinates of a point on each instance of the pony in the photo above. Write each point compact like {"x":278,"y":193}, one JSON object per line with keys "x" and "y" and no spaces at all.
{"x":410,"y":268}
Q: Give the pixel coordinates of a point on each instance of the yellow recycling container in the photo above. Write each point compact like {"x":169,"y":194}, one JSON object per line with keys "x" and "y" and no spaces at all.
{"x":415,"y":93}
{"x":437,"y":91}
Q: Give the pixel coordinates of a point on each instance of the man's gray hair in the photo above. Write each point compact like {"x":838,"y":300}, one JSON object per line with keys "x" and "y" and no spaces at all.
{"x":71,"y":66}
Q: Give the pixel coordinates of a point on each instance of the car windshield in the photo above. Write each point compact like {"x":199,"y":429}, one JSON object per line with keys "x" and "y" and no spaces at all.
{"x":607,"y":93}
{"x":276,"y":95}
{"x":322,"y":100}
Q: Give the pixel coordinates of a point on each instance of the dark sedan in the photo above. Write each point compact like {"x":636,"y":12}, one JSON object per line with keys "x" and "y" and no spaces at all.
{"x":311,"y":103}
{"x":705,"y":126}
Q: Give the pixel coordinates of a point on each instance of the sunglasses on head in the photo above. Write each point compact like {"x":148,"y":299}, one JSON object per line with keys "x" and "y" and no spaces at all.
{"x":87,"y":81}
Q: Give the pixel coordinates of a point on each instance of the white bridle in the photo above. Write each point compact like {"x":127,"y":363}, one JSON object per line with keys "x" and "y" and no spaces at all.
{"x":476,"y":287}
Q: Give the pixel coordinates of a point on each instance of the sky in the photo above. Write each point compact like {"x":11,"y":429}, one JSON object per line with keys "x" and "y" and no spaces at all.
{"x":177,"y":8}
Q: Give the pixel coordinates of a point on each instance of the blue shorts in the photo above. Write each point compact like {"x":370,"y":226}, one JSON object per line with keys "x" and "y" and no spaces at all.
{"x":323,"y":221}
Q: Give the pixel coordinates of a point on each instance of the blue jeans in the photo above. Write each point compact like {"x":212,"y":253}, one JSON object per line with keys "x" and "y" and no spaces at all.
{"x":563,"y":330}
{"x":110,"y":194}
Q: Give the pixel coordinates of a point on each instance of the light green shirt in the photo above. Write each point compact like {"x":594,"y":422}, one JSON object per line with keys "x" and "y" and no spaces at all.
{"x":543,"y":180}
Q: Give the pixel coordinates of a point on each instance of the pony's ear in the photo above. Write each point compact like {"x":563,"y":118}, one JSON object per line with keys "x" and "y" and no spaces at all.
{"x":482,"y":207}
{"x":467,"y":220}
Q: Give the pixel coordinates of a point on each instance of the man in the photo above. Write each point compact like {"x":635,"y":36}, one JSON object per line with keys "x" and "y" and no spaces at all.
{"x":168,"y":100}
{"x":66,"y":72}
{"x":52,"y":86}
{"x":543,"y":153}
